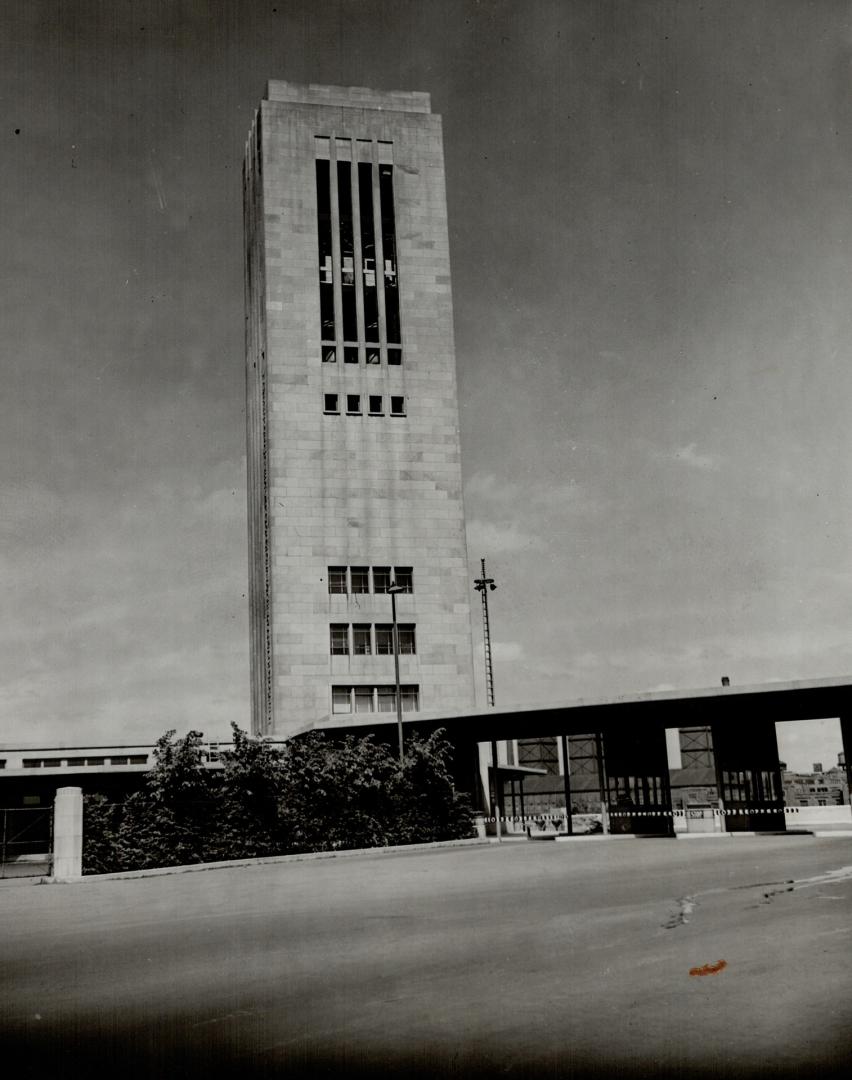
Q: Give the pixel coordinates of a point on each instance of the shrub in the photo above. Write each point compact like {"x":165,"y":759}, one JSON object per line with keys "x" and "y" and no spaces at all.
{"x":314,"y":794}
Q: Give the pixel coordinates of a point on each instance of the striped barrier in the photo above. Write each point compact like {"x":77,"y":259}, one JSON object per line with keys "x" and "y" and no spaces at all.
{"x":532,"y":819}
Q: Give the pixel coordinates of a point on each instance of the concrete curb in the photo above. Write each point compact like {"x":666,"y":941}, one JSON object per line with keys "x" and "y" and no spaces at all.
{"x":271,"y":860}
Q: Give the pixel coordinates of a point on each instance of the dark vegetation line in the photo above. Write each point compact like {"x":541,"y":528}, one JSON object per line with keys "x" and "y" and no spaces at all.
{"x":313,"y":794}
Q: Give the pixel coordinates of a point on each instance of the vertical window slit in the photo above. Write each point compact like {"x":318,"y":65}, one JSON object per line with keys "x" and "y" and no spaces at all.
{"x":347,"y":250}
{"x":391,"y":285}
{"x":326,"y":271}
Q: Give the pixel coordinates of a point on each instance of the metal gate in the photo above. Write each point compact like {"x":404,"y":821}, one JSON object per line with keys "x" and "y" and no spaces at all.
{"x":26,"y":841}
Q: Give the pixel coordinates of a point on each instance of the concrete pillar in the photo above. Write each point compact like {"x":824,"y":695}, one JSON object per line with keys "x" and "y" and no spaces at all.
{"x":846,"y":736}
{"x":68,"y":833}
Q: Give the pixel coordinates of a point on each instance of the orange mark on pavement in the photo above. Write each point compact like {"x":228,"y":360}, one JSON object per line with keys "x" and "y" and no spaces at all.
{"x":709,"y":969}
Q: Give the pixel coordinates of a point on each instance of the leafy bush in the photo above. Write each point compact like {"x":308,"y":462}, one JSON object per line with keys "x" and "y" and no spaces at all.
{"x":314,"y":794}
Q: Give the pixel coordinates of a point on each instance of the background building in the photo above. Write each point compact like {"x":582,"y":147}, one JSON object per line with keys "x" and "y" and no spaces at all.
{"x":354,"y":475}
{"x":821,"y":787}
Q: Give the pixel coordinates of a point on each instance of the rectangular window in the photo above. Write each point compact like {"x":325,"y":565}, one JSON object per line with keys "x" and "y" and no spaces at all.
{"x":350,"y":354}
{"x":360,"y":579}
{"x":394,"y":356}
{"x":368,"y":251}
{"x":339,"y":639}
{"x":384,"y":639}
{"x":376,"y":405}
{"x":330,"y":404}
{"x":397,"y":406}
{"x":326,"y":274}
{"x":386,"y":698}
{"x":406,"y":639}
{"x":389,"y":253}
{"x":364,"y":699}
{"x":361,"y":639}
{"x":374,"y":355}
{"x":353,"y":404}
{"x":410,"y":698}
{"x":337,"y":579}
{"x":381,"y":578}
{"x":341,"y":699}
{"x":404,"y":577}
{"x":138,"y":759}
{"x":347,"y":249}
{"x":329,"y":354}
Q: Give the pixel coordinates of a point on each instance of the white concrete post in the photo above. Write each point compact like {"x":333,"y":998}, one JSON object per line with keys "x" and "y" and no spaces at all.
{"x":68,"y":833}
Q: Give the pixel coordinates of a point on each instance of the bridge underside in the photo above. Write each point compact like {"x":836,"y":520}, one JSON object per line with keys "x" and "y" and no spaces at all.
{"x":649,"y":764}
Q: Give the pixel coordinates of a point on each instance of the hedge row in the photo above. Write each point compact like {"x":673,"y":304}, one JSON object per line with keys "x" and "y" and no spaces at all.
{"x":312,"y":794}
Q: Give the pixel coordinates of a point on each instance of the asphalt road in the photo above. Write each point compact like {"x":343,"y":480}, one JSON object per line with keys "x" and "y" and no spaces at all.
{"x":531,"y":959}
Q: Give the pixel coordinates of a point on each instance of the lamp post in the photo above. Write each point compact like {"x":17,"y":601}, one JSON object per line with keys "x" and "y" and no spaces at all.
{"x":393,"y":589}
{"x":482,"y":586}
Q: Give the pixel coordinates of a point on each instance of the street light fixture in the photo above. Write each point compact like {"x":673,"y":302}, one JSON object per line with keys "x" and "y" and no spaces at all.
{"x":393,"y":589}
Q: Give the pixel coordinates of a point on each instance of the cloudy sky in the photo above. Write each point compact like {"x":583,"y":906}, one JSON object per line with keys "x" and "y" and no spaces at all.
{"x":652,"y":246}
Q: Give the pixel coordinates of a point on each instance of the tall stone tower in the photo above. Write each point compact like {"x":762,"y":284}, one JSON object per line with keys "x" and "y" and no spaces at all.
{"x":354,"y":472}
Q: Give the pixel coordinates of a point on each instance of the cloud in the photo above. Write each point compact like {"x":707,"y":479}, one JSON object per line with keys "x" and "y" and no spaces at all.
{"x":485,"y":538}
{"x":537,"y":494}
{"x":688,"y":455}
{"x":507,"y":651}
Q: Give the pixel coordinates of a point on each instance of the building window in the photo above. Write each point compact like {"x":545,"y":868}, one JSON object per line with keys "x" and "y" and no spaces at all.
{"x":350,"y":354}
{"x":404,"y":578}
{"x":391,"y":284}
{"x":364,"y":699}
{"x":329,"y":354}
{"x":374,"y":356}
{"x":381,"y":578}
{"x":337,"y":579}
{"x":359,"y":579}
{"x":384,"y":639}
{"x":341,"y":699}
{"x":394,"y":356}
{"x":330,"y":403}
{"x":410,"y":698}
{"x":397,"y":406}
{"x":361,"y":639}
{"x":353,"y":404}
{"x":373,"y":699}
{"x":406,"y":639}
{"x":368,"y":251}
{"x":386,"y":699}
{"x":376,"y":405}
{"x":347,"y":249}
{"x":360,"y":576}
{"x":339,"y":639}
{"x":326,"y":273}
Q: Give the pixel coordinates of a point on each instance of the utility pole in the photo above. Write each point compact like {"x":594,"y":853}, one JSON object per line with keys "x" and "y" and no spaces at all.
{"x":483,"y":586}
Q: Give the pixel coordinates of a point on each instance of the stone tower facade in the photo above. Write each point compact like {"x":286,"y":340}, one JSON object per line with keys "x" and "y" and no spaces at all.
{"x":354,"y":473}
